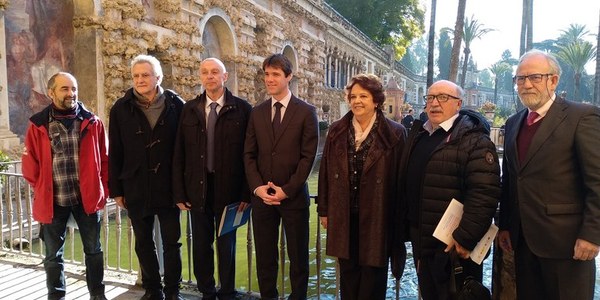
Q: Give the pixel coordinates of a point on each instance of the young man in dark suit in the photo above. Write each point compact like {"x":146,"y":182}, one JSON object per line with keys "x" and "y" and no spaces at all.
{"x":550,"y":203}
{"x":280,"y":148}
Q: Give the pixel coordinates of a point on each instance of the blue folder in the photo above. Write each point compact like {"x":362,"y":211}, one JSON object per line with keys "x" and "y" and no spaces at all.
{"x":232,"y":219}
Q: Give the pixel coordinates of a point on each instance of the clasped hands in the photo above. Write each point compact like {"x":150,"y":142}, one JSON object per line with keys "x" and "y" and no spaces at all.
{"x":271,"y":194}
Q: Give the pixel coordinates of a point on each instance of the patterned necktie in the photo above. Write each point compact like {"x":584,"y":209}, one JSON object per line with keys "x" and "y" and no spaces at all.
{"x":277,"y":117}
{"x":210,"y":134}
{"x":531,"y":118}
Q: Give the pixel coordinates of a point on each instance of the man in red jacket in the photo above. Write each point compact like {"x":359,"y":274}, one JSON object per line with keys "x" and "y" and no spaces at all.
{"x":66,"y":161}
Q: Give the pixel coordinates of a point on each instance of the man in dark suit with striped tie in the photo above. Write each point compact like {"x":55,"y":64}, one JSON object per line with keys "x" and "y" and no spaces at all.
{"x":280,"y":148}
{"x":550,"y":206}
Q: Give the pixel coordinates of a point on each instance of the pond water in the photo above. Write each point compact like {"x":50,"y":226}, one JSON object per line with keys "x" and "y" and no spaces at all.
{"x":409,"y":282}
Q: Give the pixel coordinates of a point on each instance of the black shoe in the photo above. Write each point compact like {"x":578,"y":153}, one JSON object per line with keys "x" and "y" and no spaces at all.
{"x":98,"y":297}
{"x":153,"y":295}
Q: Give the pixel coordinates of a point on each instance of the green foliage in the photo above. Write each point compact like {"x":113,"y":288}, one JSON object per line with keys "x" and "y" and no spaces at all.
{"x":445,"y":51}
{"x":407,"y":61}
{"x":485,"y":79}
{"x":416,"y":57}
{"x":387,"y":22}
{"x":4,"y":158}
{"x":505,"y":112}
{"x":571,"y":43}
{"x":573,"y":34}
{"x":498,"y":121}
{"x":323,"y":125}
{"x":499,"y":70}
{"x":574,"y":53}
{"x":505,"y":80}
{"x":474,"y":30}
{"x":508,"y":58}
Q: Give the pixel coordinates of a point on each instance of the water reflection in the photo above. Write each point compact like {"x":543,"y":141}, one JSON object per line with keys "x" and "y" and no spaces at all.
{"x":408,"y":283}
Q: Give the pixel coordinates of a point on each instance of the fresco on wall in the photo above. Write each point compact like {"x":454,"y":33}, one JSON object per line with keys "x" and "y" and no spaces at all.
{"x":39,"y":43}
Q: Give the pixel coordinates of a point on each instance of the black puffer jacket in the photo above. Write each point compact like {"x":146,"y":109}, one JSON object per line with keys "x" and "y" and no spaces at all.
{"x":465,"y":167}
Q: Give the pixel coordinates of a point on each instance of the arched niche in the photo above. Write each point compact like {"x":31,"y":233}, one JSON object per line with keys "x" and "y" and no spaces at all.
{"x":219,"y":41}
{"x":290,"y":53}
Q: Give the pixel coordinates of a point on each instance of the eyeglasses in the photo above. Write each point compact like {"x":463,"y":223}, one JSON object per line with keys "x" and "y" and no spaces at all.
{"x":533,"y":78}
{"x":441,"y":98}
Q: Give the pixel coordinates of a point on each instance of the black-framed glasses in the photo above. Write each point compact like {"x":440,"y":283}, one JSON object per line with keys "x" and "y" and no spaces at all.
{"x":440,"y":97}
{"x":533,"y":78}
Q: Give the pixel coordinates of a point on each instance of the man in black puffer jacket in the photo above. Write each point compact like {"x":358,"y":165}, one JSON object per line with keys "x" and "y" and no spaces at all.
{"x":449,"y":156}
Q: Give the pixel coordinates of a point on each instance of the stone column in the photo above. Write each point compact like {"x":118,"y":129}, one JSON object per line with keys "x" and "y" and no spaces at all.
{"x":7,"y":138}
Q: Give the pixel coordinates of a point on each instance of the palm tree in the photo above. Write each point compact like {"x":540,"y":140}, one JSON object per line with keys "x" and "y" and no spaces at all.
{"x":431,"y":44}
{"x":526,"y":27}
{"x":499,"y":69}
{"x":574,"y":33}
{"x":597,"y":77}
{"x":577,"y":55}
{"x":458,"y":34}
{"x":473,"y":30}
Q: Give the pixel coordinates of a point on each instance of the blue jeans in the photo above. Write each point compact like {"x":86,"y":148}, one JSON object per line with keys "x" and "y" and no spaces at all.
{"x":53,"y":236}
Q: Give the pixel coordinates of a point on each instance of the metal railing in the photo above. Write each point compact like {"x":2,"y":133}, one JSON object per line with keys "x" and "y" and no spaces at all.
{"x":19,"y":236}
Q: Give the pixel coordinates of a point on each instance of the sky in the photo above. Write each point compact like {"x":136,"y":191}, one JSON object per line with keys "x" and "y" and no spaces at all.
{"x":549,"y":18}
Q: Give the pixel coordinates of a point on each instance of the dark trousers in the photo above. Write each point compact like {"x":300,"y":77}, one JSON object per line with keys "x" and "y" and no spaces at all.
{"x":170,"y":231}
{"x":549,"y":279}
{"x":358,"y":281}
{"x":53,"y":236}
{"x":204,"y":229}
{"x":433,"y":271}
{"x":265,"y":221}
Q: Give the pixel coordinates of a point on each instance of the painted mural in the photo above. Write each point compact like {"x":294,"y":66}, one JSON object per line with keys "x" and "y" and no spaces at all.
{"x":39,"y":43}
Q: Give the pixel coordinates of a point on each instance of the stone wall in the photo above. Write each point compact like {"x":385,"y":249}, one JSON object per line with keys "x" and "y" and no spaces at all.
{"x":326,"y":49}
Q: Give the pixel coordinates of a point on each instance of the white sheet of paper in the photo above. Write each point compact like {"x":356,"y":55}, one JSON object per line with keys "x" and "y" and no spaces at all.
{"x":478,"y":254}
{"x":449,"y":222}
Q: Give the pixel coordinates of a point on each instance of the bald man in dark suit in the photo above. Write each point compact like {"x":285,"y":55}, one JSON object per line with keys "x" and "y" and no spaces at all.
{"x":550,"y":206}
{"x":280,"y":148}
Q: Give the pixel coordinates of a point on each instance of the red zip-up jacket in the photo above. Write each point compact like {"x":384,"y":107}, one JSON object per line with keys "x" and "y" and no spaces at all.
{"x":93,"y":164}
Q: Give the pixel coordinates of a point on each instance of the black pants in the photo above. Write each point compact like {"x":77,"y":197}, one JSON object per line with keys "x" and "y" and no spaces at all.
{"x":204,"y":231}
{"x":265,"y":221}
{"x":358,"y":281}
{"x":145,"y":249}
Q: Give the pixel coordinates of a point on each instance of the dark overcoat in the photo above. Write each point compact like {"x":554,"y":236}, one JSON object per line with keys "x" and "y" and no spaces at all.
{"x":140,"y":156}
{"x":378,"y":191}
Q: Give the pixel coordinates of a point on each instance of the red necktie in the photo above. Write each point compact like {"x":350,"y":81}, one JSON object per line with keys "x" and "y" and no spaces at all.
{"x":531,"y":118}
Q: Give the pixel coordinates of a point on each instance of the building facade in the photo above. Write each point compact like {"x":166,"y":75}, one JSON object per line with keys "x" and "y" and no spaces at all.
{"x":96,"y":39}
